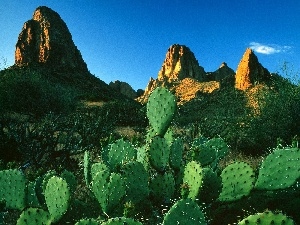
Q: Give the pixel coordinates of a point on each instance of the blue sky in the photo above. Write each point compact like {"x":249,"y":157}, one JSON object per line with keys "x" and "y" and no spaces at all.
{"x":127,"y":40}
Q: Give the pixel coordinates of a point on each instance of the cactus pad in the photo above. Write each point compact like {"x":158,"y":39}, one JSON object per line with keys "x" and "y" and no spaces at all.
{"x":184,"y":212}
{"x":176,"y":152}
{"x":12,"y":188}
{"x":136,"y":178}
{"x":161,"y":108}
{"x":162,"y":187}
{"x":87,"y":168}
{"x":119,"y":153}
{"x":192,"y":180}
{"x":267,"y":218}
{"x":108,"y":189}
{"x":159,"y":153}
{"x":121,"y":221}
{"x":238,"y":180}
{"x":34,"y":216}
{"x":57,"y":196}
{"x":219,"y":145}
{"x":280,"y":169}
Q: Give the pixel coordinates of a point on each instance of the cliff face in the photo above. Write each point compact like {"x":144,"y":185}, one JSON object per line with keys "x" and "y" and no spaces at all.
{"x":124,"y":88}
{"x":250,"y":72}
{"x":46,"y":39}
{"x":180,"y":63}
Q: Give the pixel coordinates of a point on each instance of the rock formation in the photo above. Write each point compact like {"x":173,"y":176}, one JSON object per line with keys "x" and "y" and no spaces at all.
{"x":124,"y":88}
{"x":180,"y":63}
{"x":223,"y":72}
{"x":46,"y":39}
{"x":250,"y":71}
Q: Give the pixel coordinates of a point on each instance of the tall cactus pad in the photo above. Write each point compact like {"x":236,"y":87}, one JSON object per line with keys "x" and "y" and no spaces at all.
{"x":162,"y":187}
{"x":176,"y":154}
{"x":280,"y":169}
{"x":211,"y":186}
{"x":98,"y":167}
{"x":238,"y":180}
{"x":34,"y":216}
{"x":184,"y":212}
{"x":57,"y":196}
{"x":192,"y":180}
{"x":119,"y":153}
{"x":87,"y":168}
{"x":108,"y":189}
{"x":136,"y":178}
{"x":71,"y":180}
{"x":32,"y":199}
{"x":121,"y":221}
{"x":12,"y":188}
{"x":159,"y":153}
{"x":267,"y":218}
{"x":87,"y":222}
{"x":161,"y":108}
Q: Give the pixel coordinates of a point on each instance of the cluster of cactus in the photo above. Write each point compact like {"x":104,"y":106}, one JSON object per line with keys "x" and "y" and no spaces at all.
{"x":127,"y":176}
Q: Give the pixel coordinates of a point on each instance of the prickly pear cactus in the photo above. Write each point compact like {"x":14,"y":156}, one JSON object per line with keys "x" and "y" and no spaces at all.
{"x":267,"y":218}
{"x":159,"y":153}
{"x":71,"y":180}
{"x":219,"y":145}
{"x":162,"y":187}
{"x":279,"y":170}
{"x":192,"y":180}
{"x":176,"y":152}
{"x":12,"y":188}
{"x":98,"y":167}
{"x":238,"y":180}
{"x":87,"y":168}
{"x":109,"y":189}
{"x":184,"y":212}
{"x":142,"y":157}
{"x":211,"y":186}
{"x":57,"y":196}
{"x":204,"y":154}
{"x":161,"y":108}
{"x":87,"y":222}
{"x":136,"y":179}
{"x":119,"y":153}
{"x":34,"y":216}
{"x":32,"y":199}
{"x":121,"y":221}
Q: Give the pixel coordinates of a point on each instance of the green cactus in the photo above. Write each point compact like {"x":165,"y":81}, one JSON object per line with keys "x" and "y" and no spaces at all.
{"x":279,"y":170}
{"x":87,"y":168}
{"x":34,"y":216}
{"x":12,"y":188}
{"x":211,"y":186}
{"x":238,"y":180}
{"x":184,"y":212}
{"x":70,"y":178}
{"x":176,"y":152}
{"x":203,"y":154}
{"x":142,"y":157}
{"x":267,"y":218}
{"x":219,"y":145}
{"x":162,"y":187}
{"x":98,"y":167}
{"x":121,"y":221}
{"x":57,"y":196}
{"x":119,"y":153}
{"x":109,"y":189}
{"x":136,"y":179}
{"x":32,"y":199}
{"x":40,"y":186}
{"x":161,"y":108}
{"x":159,"y":153}
{"x":87,"y":222}
{"x":192,"y":180}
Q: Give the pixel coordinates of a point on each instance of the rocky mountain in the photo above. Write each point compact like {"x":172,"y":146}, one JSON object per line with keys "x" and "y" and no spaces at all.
{"x":46,"y":39}
{"x":250,"y":72}
{"x":124,"y":88}
{"x":183,"y":75}
{"x":45,"y":46}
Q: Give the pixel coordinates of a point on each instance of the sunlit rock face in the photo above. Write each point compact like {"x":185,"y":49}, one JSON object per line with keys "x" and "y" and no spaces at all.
{"x":46,"y":39}
{"x":250,"y":72}
{"x":180,"y":63}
